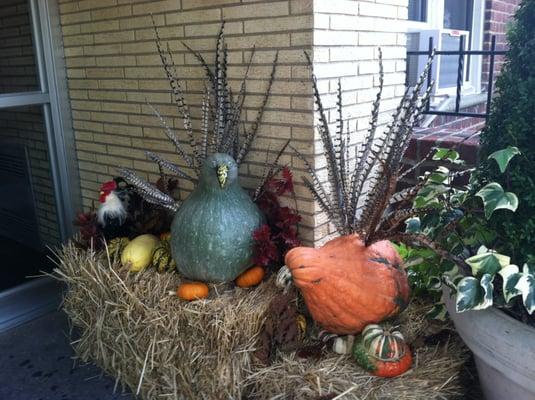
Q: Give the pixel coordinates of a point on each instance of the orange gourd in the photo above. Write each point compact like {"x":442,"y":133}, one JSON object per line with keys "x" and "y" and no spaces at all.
{"x":347,"y":285}
{"x":192,"y":291}
{"x":253,"y":276}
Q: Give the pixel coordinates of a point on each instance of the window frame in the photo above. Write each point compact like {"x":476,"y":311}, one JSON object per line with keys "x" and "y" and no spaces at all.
{"x":435,"y":21}
{"x":52,"y":96}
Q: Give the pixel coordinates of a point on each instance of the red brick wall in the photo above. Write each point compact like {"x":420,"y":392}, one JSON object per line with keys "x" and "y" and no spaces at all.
{"x":461,"y":132}
{"x":498,"y":13}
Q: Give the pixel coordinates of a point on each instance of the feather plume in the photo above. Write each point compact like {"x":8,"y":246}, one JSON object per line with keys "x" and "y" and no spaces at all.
{"x":149,"y":192}
{"x":359,"y":192}
{"x":221,"y":125}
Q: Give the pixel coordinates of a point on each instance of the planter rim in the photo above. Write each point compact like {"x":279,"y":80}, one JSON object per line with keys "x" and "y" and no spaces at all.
{"x":491,"y":310}
{"x":497,"y":339}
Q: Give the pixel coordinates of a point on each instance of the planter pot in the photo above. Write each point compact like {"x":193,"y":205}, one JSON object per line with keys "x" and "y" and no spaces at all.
{"x":504,"y":351}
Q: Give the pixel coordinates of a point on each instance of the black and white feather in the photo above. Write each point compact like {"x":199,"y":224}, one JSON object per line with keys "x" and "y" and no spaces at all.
{"x":222,"y":129}
{"x":360,"y":189}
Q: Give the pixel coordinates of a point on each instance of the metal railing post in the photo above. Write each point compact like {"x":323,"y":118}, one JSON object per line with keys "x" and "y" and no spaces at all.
{"x":460,"y":68}
{"x":491,"y":76}
{"x":430,"y":74}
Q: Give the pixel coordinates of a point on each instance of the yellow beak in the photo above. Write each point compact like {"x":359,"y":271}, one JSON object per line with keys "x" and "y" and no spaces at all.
{"x":222,"y":173}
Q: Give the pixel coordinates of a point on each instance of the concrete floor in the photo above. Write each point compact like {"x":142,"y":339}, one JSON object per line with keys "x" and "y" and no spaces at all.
{"x":36,"y":363}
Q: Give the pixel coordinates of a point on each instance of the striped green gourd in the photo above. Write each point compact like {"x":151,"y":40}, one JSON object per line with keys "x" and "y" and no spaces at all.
{"x":382,"y":344}
{"x":382,"y":352}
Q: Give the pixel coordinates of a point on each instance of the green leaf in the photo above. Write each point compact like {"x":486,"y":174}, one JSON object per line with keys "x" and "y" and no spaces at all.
{"x":502,"y":157}
{"x":510,"y":275}
{"x":438,"y":312}
{"x":526,"y":286}
{"x":434,"y":283}
{"x":452,"y":273}
{"x":447,"y":154}
{"x":528,"y":269}
{"x":495,"y":198}
{"x":487,"y":262}
{"x":473,"y":294}
{"x":439,"y":175}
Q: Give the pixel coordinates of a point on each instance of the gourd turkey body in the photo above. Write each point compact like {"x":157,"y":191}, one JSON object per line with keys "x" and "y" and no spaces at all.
{"x":211,"y":234}
{"x":347,"y":285}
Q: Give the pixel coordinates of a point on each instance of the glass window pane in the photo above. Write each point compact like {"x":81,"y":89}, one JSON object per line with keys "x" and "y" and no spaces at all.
{"x":28,"y":219}
{"x":18,"y":71}
{"x":458,"y":14}
{"x":413,"y":40}
{"x":418,"y":10}
{"x":449,"y":64}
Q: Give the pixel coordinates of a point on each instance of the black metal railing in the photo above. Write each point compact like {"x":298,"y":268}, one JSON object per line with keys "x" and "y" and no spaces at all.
{"x":461,"y":53}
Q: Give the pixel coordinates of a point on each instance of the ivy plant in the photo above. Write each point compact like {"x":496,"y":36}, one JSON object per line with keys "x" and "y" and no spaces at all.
{"x":458,"y":222}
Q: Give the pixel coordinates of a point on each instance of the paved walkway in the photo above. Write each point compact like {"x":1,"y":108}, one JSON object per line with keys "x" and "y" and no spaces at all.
{"x":36,"y":363}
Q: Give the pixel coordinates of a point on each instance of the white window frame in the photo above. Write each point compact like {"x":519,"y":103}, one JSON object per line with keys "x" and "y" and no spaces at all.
{"x":435,"y":20}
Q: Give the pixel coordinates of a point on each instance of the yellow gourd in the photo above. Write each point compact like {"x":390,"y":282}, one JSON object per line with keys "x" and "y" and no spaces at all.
{"x":137,"y":255}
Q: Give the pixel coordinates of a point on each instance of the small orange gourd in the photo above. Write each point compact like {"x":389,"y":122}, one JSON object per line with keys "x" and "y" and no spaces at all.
{"x":192,"y":291}
{"x":253,"y":276}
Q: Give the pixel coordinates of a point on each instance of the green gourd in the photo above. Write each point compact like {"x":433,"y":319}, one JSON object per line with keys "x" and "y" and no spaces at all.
{"x":211,"y":233}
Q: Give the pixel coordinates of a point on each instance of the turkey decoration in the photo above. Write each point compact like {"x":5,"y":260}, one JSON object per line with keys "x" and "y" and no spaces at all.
{"x":212,"y":230}
{"x":358,"y":278}
{"x":112,"y":212}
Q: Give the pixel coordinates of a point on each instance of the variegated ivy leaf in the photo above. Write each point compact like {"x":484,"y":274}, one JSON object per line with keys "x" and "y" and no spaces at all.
{"x":528,"y":269}
{"x":439,"y":175}
{"x":487,"y":262}
{"x":434,"y":283}
{"x":495,"y":198}
{"x":502,"y":157}
{"x":526,"y":286}
{"x":510,"y":275}
{"x":474,"y":294}
{"x":452,"y":271}
{"x":438,"y":312}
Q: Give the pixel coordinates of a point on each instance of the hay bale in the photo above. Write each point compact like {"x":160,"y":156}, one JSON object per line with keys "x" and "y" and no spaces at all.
{"x":161,"y":347}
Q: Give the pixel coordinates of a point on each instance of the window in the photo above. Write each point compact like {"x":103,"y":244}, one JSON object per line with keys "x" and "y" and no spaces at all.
{"x":34,"y":121}
{"x":446,"y":21}
{"x":418,"y":10}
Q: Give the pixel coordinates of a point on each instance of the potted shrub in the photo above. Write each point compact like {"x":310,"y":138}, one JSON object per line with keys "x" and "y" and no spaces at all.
{"x":489,"y":290}
{"x":490,"y":299}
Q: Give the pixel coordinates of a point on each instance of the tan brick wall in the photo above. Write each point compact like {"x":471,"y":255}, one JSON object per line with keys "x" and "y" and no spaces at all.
{"x":113,"y":69}
{"x":347,"y":34}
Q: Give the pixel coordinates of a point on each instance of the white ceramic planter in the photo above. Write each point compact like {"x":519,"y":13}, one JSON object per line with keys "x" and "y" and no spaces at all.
{"x":504,"y":351}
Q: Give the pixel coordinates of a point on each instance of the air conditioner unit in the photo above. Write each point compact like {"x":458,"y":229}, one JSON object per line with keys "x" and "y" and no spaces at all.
{"x":445,"y":67}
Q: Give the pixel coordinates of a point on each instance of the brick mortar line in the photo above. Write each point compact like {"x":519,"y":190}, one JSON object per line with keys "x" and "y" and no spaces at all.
{"x":228,"y":35}
{"x":172,"y":12}
{"x":219,"y":6}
